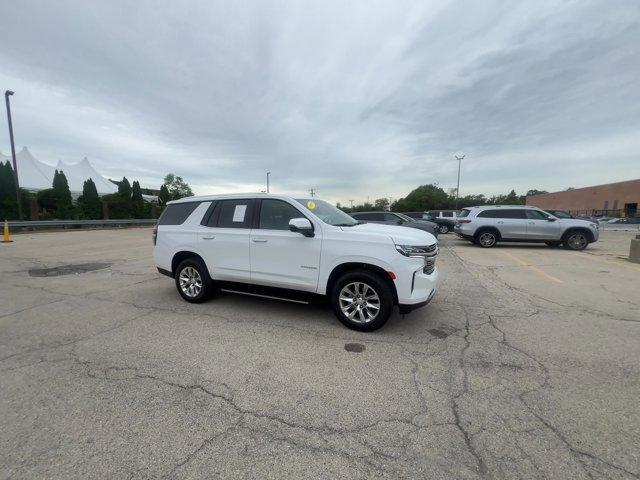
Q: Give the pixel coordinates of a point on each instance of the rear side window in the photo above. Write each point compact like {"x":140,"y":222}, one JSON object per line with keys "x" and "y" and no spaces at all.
{"x":489,"y":214}
{"x":177,"y":213}
{"x":235,"y":214}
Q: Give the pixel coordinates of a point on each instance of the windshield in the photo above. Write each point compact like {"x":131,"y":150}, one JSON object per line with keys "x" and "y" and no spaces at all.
{"x":327,"y":212}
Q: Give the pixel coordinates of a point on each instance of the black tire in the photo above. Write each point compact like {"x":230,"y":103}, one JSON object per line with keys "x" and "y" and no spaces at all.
{"x":443,"y":229}
{"x":375,"y":283}
{"x":553,"y":244}
{"x":576,"y":240}
{"x":486,"y":238}
{"x":206,"y":284}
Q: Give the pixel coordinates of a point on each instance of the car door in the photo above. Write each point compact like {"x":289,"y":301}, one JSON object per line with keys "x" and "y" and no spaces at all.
{"x":224,"y":240}
{"x":542,"y":226}
{"x":280,"y":257}
{"x":512,"y":223}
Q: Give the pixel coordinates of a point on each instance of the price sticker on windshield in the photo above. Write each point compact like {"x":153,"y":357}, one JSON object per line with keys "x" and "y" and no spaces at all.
{"x":311,"y":205}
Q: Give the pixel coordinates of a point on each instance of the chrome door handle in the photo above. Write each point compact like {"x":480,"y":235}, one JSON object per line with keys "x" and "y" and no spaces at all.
{"x":208,"y":237}
{"x":259,"y":240}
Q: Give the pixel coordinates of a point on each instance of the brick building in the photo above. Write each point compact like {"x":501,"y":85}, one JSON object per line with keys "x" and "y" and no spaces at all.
{"x":621,"y":198}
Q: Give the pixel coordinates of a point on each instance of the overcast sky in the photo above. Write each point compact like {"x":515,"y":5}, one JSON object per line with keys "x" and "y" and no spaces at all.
{"x":350,"y":98}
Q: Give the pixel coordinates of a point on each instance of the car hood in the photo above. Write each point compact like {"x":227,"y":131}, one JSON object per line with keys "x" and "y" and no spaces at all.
{"x":399,"y":235}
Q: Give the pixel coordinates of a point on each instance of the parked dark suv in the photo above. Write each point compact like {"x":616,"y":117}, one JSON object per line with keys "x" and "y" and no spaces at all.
{"x":445,"y":224}
{"x":395,"y":218}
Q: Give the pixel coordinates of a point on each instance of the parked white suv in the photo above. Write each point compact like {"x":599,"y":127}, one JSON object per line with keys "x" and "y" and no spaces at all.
{"x":295,"y":248}
{"x":491,"y":224}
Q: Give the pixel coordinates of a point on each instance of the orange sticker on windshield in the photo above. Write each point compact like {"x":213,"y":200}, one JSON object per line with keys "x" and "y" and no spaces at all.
{"x":311,"y":205}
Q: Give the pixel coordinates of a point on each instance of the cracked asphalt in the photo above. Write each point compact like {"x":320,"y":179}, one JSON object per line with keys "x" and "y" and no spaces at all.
{"x":526,"y":365}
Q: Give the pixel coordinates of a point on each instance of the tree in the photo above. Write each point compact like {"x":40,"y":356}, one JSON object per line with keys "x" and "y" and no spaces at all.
{"x":381,"y":204}
{"x":137,"y":200}
{"x":425,"y":197}
{"x":164,"y":196}
{"x":177,"y":187}
{"x":533,"y":191}
{"x":57,"y":200}
{"x":124,"y":189}
{"x":90,"y":207}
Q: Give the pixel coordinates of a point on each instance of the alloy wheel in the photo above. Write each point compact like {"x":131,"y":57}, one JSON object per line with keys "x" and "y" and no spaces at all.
{"x":577,"y":241}
{"x":487,"y":239}
{"x":190,"y":282}
{"x":359,"y":302}
{"x":443,"y":229}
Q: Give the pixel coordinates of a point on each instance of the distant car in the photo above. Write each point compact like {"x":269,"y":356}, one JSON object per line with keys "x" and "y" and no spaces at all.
{"x":625,"y":221}
{"x":394,"y":218}
{"x":445,"y":225}
{"x":560,"y":213}
{"x":453,"y":214}
{"x":488,"y":225}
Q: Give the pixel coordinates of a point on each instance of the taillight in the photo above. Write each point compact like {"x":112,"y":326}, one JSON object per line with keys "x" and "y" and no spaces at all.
{"x":154,"y":235}
{"x":464,"y":221}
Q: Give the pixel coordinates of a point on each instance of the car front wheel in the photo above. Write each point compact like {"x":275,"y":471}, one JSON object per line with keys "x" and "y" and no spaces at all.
{"x":576,"y":240}
{"x":193,"y":281}
{"x":362,"y":300}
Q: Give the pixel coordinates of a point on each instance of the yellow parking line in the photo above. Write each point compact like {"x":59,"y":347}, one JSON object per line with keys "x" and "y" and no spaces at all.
{"x":611,"y":262}
{"x":533,"y":267}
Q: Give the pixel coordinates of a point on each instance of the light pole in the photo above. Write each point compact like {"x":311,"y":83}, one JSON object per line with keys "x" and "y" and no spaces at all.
{"x":7,"y":94}
{"x":268,"y":173}
{"x":458,"y":187}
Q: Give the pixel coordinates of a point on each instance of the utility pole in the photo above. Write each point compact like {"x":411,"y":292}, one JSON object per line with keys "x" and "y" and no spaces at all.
{"x":312,"y":192}
{"x":7,"y":94}
{"x":268,"y":173}
{"x":458,"y":187}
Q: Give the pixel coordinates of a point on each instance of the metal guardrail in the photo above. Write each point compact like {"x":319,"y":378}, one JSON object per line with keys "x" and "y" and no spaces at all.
{"x":36,"y":224}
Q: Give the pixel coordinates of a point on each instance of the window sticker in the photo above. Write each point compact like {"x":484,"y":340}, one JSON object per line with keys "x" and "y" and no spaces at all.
{"x":238,"y":213}
{"x":311,"y":205}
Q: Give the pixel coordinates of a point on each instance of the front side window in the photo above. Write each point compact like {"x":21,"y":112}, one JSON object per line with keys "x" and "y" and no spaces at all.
{"x":235,"y":214}
{"x":536,"y":215}
{"x":447,"y":214}
{"x":275,"y":214}
{"x":327,"y":212}
{"x":391,"y":217}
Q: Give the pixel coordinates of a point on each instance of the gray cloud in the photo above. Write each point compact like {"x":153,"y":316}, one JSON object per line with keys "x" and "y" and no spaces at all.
{"x":369,"y":98}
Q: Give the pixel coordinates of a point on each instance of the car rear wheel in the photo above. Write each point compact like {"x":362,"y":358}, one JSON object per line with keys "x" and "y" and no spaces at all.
{"x":362,"y":300}
{"x":193,"y":281}
{"x":486,"y":238}
{"x":443,"y":229}
{"x":576,"y":240}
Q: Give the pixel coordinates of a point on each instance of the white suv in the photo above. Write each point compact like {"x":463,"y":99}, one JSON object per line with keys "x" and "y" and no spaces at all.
{"x":295,"y":248}
{"x":491,"y":224}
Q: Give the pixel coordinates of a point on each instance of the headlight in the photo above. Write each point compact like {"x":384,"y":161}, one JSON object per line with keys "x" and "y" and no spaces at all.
{"x":594,"y":226}
{"x":416,"y":251}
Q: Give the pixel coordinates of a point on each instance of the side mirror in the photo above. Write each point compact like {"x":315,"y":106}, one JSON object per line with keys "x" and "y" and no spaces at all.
{"x":551,"y":219}
{"x":399,"y":222}
{"x":301,"y":225}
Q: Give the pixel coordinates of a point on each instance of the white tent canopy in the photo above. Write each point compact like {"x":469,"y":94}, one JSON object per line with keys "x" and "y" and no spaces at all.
{"x":36,"y":175}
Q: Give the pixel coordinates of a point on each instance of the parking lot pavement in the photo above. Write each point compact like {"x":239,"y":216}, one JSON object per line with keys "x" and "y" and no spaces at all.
{"x":526,"y":365}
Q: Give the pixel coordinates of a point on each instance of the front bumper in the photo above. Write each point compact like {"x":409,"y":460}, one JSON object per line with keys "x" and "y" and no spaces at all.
{"x":410,"y":307}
